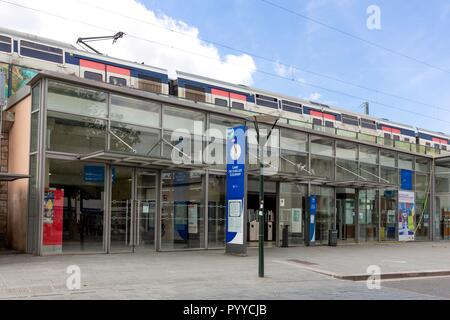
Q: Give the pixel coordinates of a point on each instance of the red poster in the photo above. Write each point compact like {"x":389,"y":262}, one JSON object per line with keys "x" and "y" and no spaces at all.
{"x":53,"y":217}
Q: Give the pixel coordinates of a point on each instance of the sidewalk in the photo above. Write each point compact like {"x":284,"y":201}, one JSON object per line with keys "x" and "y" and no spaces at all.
{"x":214,"y":275}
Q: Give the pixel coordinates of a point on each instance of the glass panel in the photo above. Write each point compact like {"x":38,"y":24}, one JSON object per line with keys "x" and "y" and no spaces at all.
{"x":442,"y":179}
{"x":294,"y":148}
{"x":292,"y":211}
{"x":442,"y":217}
{"x":368,"y":215}
{"x":176,"y":118}
{"x":388,"y":230}
{"x":368,"y":154}
{"x":346,"y":170}
{"x":216,"y":211}
{"x":33,"y":208}
{"x":321,"y":146}
{"x":324,"y":213}
{"x":5,"y":69}
{"x":369,"y":171}
{"x":75,"y":134}
{"x":144,"y":113}
{"x":422,"y":215}
{"x":74,"y":198}
{"x":71,"y":99}
{"x":389,"y":174}
{"x":146,"y":209}
{"x":34,"y":131}
{"x":36,"y":97}
{"x":405,"y":161}
{"x":345,"y":214}
{"x":121,"y":209}
{"x":422,"y":164}
{"x":130,"y":138}
{"x":346,"y":150}
{"x":322,"y":167}
{"x":182,"y":210}
{"x":388,"y":159}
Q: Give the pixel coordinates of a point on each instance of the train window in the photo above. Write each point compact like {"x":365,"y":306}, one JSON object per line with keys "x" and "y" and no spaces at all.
{"x":266,"y":101}
{"x":387,"y":136}
{"x":436,"y":146}
{"x":347,"y":119}
{"x":368,"y":124}
{"x":396,"y":138}
{"x":237,"y":105}
{"x":40,"y":51}
{"x":317,"y":122}
{"x":444,"y":147}
{"x":427,"y":144}
{"x":329,"y":124}
{"x":5,"y":44}
{"x":118,"y":81}
{"x":406,"y":139}
{"x":195,"y":93}
{"x":221,"y":102}
{"x":150,"y":84}
{"x":292,"y":107}
{"x":93,"y":76}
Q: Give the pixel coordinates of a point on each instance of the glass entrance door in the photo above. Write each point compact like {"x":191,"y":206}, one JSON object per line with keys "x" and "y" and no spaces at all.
{"x":346,"y":217}
{"x":133,"y":209}
{"x":145,"y":209}
{"x":122,"y":213}
{"x":368,"y":215}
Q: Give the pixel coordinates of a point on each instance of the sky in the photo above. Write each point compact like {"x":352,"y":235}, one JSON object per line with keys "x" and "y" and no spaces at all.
{"x":225,"y":39}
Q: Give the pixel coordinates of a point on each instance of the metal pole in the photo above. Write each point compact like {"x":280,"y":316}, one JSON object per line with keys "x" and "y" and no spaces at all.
{"x":261,"y":208}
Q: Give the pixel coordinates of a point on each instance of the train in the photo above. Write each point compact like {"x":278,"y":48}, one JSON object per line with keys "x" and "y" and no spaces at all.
{"x":23,"y":55}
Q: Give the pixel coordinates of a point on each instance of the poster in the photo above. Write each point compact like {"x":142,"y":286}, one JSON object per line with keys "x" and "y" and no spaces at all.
{"x":53,"y":217}
{"x":4,"y":68}
{"x":296,"y":220}
{"x":406,"y":215}
{"x":20,"y":77}
{"x":235,"y":195}
{"x":193,"y":218}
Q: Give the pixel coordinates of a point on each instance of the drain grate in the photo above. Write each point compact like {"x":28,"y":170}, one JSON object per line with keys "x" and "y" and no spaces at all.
{"x":304,"y":262}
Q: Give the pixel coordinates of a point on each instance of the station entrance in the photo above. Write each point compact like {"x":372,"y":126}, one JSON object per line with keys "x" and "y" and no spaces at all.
{"x":270,"y":212}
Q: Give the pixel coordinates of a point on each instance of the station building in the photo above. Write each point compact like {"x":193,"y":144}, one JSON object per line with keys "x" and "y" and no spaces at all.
{"x":99,"y":177}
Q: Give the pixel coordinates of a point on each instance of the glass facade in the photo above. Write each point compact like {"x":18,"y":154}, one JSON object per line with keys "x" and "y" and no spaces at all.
{"x":165,"y":207}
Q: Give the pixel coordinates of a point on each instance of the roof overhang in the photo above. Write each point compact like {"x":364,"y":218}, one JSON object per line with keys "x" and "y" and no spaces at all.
{"x":4,"y":176}
{"x":138,"y":160}
{"x":289,"y":177}
{"x":361,"y":184}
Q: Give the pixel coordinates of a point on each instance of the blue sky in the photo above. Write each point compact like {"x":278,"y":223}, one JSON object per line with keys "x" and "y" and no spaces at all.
{"x":417,"y":28}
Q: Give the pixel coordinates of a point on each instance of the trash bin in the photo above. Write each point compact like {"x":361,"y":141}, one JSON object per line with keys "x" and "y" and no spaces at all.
{"x":332,"y":238}
{"x":285,"y":240}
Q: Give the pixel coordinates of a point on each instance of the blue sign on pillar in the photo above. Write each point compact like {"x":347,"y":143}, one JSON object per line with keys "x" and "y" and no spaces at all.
{"x":406,"y":179}
{"x":236,"y":150}
{"x":312,"y":220}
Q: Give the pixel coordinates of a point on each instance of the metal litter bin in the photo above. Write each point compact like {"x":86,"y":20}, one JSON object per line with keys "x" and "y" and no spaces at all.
{"x":285,"y":240}
{"x":332,"y":238}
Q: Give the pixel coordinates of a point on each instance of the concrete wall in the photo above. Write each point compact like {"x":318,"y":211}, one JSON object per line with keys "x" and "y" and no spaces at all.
{"x":18,"y":159}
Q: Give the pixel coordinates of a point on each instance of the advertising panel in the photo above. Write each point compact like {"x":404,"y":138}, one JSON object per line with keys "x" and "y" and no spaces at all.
{"x":235,"y":195}
{"x":406,"y":215}
{"x":53,"y":217}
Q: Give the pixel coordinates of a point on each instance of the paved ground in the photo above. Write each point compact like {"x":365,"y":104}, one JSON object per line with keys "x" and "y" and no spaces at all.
{"x":214,"y":275}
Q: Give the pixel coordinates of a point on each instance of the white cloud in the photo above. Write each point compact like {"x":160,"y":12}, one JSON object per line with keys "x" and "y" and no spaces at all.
{"x":207,"y":62}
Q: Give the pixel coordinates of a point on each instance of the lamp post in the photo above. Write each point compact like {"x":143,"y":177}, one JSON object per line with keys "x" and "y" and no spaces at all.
{"x":260,"y":156}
